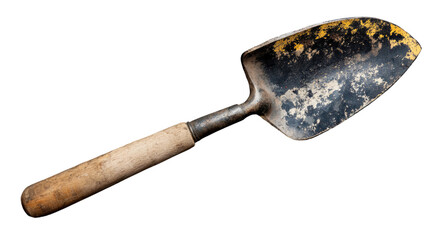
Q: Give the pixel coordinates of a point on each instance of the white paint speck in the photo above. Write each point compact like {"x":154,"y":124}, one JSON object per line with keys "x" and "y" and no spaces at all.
{"x":378,"y":81}
{"x":299,"y":97}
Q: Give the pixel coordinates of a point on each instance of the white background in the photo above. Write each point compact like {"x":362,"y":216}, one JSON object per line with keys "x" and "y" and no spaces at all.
{"x":80,"y":78}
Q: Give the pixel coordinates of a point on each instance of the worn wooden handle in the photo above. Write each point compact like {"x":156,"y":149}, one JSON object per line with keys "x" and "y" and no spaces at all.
{"x":81,"y":181}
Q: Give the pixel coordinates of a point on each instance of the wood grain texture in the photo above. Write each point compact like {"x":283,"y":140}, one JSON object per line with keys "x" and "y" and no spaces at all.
{"x":81,"y":181}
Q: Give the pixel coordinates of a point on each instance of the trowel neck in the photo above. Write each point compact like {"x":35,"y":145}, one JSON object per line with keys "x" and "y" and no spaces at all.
{"x":208,"y":124}
{"x":213,"y":122}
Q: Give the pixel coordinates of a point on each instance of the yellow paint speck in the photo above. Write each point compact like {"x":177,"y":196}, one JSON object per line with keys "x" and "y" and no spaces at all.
{"x":322,"y":32}
{"x":406,"y":40}
{"x":344,"y":24}
{"x":373,"y":27}
{"x":280,"y":45}
{"x":298,"y":46}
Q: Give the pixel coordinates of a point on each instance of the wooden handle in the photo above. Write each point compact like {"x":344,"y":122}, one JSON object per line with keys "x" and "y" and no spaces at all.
{"x":81,"y":181}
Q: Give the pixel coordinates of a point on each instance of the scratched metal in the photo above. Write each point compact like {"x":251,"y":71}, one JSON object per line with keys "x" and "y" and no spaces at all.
{"x":307,"y":82}
{"x":318,"y":77}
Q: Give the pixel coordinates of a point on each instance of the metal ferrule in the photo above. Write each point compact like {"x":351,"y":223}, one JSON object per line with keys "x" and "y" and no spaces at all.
{"x":216,"y":121}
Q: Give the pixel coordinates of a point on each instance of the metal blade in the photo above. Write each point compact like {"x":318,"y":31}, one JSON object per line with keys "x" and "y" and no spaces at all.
{"x":322,"y":75}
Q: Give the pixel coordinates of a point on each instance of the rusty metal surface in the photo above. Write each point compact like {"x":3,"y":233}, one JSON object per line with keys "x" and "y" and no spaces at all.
{"x":307,"y":82}
{"x":317,"y":78}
